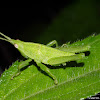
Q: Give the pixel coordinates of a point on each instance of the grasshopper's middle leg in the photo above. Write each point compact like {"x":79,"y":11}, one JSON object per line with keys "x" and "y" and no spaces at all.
{"x":46,"y":69}
{"x":52,"y":43}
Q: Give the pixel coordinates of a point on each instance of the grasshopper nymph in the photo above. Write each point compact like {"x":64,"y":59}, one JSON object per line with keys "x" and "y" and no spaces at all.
{"x":44,"y":54}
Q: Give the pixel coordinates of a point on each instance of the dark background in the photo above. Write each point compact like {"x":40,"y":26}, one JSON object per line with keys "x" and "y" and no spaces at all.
{"x":68,"y":20}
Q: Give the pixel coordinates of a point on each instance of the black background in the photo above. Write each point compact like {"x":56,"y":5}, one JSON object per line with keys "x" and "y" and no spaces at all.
{"x":35,"y":24}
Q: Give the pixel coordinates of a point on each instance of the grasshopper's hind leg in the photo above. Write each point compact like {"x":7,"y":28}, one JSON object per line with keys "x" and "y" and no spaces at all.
{"x":46,"y":69}
{"x":52,"y":43}
{"x":63,"y":59}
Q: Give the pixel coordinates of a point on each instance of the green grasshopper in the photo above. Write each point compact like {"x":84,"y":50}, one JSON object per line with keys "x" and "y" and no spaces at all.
{"x":45,"y":54}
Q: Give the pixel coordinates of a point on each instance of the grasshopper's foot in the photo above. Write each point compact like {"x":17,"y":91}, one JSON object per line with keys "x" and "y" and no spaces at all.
{"x":55,"y":81}
{"x":15,"y":75}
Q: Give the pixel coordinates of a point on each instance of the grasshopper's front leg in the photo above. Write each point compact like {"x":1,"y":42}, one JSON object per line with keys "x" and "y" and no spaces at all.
{"x":52,"y":43}
{"x":21,"y":65}
{"x":46,"y":69}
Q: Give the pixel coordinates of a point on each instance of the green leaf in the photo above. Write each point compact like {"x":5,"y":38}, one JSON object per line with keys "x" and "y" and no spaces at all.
{"x":74,"y":82}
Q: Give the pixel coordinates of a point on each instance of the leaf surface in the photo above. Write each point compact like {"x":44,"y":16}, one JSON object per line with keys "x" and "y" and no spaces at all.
{"x":75,"y":80}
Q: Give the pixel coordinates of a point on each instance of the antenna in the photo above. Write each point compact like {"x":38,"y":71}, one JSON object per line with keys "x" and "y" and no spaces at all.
{"x":8,"y":38}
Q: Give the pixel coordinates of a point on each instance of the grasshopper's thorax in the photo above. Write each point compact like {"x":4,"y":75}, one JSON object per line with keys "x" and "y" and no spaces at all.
{"x":20,"y":46}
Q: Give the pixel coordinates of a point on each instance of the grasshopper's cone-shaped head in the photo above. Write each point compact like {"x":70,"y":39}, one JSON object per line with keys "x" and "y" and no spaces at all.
{"x":12,"y":41}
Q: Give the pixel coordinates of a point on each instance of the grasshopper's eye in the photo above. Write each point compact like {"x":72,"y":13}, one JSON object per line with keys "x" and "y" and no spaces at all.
{"x":15,"y":45}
